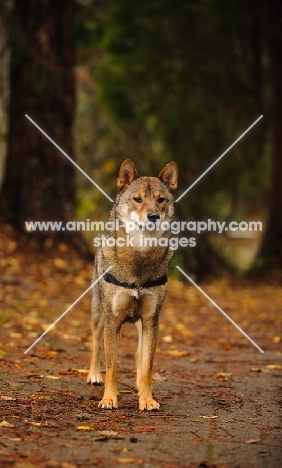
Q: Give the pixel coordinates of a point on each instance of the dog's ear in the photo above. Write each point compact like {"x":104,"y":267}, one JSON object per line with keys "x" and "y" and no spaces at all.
{"x":169,"y":175}
{"x":127,"y":174}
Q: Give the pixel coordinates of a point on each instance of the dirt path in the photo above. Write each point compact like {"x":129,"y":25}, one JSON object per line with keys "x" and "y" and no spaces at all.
{"x":220,"y":397}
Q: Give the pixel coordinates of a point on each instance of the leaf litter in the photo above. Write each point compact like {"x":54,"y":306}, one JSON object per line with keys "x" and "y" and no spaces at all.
{"x":201,"y":361}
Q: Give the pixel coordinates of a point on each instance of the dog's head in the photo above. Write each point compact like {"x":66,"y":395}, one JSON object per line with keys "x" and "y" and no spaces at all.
{"x":146,"y":199}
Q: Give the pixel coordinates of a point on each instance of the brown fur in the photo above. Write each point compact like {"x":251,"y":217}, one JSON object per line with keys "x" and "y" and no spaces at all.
{"x":112,"y":305}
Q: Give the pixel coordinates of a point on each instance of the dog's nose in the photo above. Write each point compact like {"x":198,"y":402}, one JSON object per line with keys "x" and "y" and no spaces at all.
{"x":153,"y":216}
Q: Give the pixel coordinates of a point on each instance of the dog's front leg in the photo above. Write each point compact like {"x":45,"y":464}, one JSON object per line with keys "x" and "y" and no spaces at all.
{"x":94,"y":376}
{"x":149,"y":341}
{"x":111,"y":332}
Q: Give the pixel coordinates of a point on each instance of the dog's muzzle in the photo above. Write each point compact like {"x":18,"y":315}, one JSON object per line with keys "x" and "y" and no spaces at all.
{"x":153,"y":216}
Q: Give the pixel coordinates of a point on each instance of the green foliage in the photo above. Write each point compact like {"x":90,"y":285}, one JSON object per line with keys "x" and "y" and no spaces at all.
{"x":177,"y":78}
{"x":182,"y":81}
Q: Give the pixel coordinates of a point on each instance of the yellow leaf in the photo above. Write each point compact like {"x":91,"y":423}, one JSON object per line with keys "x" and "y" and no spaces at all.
{"x":126,"y":460}
{"x":34,"y":423}
{"x":209,"y":417}
{"x":60,"y":263}
{"x":224,"y":374}
{"x":52,"y":377}
{"x":15,"y":335}
{"x":276,"y":339}
{"x":80,"y":371}
{"x":180,"y":326}
{"x":167,"y":339}
{"x":274,"y":366}
{"x":63,"y":248}
{"x":45,"y":326}
{"x":107,"y":433}
{"x":252,"y":441}
{"x":109,"y":166}
{"x":176,"y":353}
{"x":84,"y":428}
{"x":6,"y":424}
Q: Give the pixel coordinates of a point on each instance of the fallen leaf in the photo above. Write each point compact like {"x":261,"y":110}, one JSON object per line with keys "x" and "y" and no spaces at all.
{"x":41,"y":397}
{"x":116,"y":449}
{"x":158,"y":377}
{"x":100,"y":435}
{"x":167,"y":339}
{"x":51,"y":377}
{"x":126,"y":460}
{"x":256,"y":369}
{"x":80,"y":371}
{"x":224,"y":374}
{"x":15,"y":335}
{"x":176,"y":353}
{"x":63,"y":248}
{"x":195,"y":359}
{"x":68,"y":336}
{"x":35,"y":423}
{"x":45,"y":326}
{"x":105,"y":435}
{"x":274,"y":366}
{"x":252,"y":441}
{"x":276,"y":339}
{"x":7,"y":398}
{"x":60,"y":263}
{"x":6,"y":424}
{"x":209,"y":417}
{"x":85,"y":428}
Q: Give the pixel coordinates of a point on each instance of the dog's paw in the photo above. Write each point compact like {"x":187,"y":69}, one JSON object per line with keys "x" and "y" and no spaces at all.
{"x":148,"y":404}
{"x":108,"y":403}
{"x":94,"y":379}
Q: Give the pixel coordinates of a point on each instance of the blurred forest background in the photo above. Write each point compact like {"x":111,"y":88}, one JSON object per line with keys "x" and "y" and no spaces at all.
{"x":152,"y":81}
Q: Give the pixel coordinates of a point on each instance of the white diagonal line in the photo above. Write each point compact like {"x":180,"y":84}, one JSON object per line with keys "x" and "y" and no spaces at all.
{"x":218,"y":159}
{"x":220,"y":310}
{"x":70,"y":159}
{"x":66,"y":311}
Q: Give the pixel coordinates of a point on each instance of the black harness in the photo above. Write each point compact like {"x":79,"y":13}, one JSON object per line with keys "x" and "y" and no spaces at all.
{"x":148,"y":284}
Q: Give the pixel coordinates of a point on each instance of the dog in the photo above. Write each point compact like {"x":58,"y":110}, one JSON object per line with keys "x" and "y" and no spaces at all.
{"x":134,"y":289}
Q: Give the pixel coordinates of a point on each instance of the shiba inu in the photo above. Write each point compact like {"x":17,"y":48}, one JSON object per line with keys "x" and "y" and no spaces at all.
{"x":138,"y":253}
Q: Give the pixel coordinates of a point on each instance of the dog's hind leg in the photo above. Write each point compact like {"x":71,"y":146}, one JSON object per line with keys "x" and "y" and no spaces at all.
{"x":149,"y":310}
{"x":138,"y":354}
{"x":149,"y":338}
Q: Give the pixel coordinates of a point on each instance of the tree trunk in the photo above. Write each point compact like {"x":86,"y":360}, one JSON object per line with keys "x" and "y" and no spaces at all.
{"x":270,"y":254}
{"x":39,"y":181}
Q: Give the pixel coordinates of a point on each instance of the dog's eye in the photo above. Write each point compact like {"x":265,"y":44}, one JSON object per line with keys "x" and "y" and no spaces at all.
{"x":161,"y":200}
{"x":137,"y":199}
